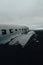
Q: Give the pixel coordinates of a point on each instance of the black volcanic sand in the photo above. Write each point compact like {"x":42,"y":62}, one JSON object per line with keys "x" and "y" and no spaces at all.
{"x":29,"y":55}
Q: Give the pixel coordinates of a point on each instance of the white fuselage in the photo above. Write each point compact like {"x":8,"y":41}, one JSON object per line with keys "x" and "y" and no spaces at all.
{"x":12,"y":34}
{"x":7,"y":32}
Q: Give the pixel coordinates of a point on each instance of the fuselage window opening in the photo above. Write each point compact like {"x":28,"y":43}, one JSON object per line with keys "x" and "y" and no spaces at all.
{"x":22,"y":29}
{"x":25,"y":31}
{"x":4,"y":31}
{"x":15,"y":29}
{"x":11,"y":30}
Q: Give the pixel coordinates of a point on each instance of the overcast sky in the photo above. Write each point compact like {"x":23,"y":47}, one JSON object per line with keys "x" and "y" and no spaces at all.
{"x":23,"y":12}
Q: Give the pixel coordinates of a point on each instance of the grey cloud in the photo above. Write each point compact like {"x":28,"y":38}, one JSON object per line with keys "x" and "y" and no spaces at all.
{"x":24,"y":12}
